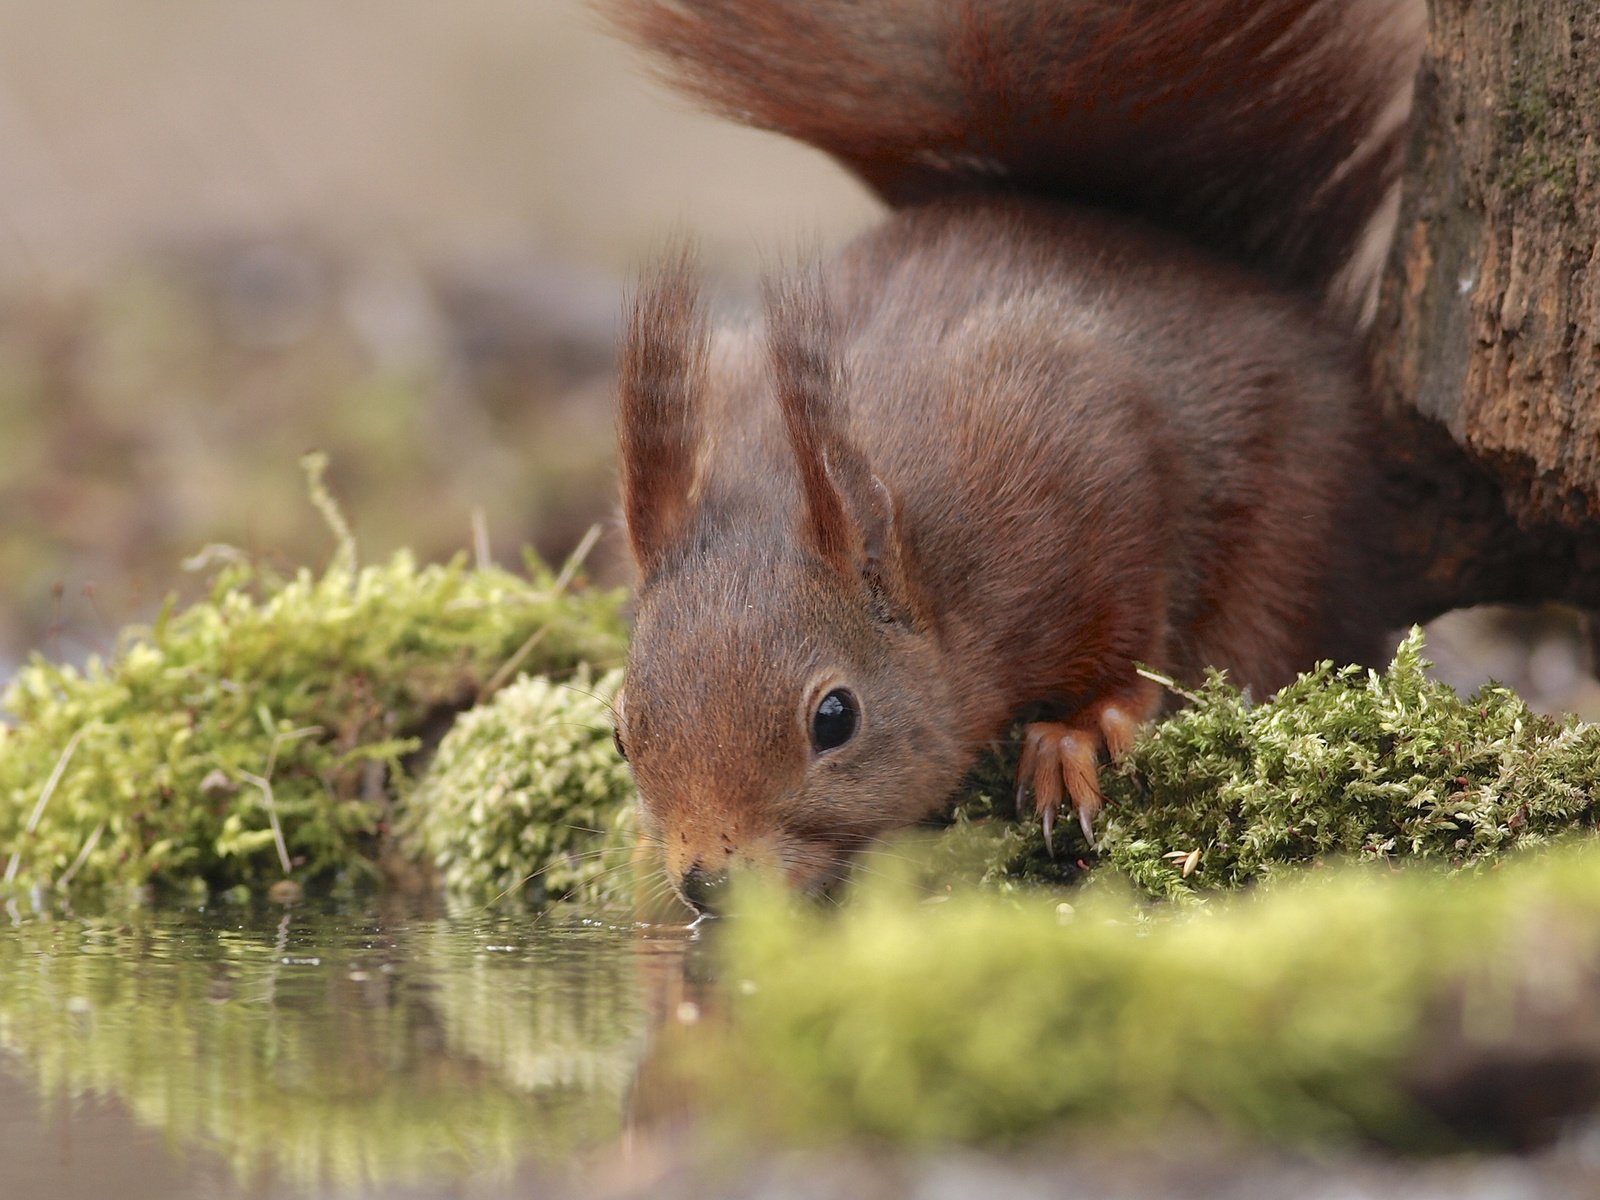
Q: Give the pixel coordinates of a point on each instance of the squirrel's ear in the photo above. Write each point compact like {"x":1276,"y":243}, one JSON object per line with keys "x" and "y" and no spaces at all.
{"x":850,"y":516}
{"x":661,"y":379}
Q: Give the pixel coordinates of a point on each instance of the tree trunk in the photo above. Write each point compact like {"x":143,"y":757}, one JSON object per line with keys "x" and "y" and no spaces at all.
{"x":1486,"y":347}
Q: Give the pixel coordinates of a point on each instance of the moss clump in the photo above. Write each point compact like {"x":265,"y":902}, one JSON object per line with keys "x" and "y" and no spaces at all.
{"x":1343,"y":762}
{"x":1307,"y":1013}
{"x":264,"y":733}
{"x":527,"y":794}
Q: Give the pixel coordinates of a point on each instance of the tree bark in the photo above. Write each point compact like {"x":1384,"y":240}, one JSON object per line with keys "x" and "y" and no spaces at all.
{"x":1485,"y":351}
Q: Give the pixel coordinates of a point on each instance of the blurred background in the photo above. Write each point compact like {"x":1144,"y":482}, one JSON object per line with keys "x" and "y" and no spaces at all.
{"x":394,"y":230}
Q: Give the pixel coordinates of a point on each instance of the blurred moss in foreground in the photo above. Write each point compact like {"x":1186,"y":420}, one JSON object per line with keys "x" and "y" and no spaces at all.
{"x":265,"y":733}
{"x":1322,"y":1009}
{"x":1344,"y":762}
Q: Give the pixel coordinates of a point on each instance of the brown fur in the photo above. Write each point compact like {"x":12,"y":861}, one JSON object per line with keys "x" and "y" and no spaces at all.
{"x":1270,"y":130}
{"x":663,"y":370}
{"x":1005,"y":447}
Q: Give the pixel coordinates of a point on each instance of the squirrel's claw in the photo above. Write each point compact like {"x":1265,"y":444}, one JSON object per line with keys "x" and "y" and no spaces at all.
{"x":1025,"y":770}
{"x":1058,"y":764}
{"x":1061,"y":761}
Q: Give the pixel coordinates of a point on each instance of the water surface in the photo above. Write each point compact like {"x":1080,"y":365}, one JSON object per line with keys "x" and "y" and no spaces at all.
{"x":319,"y":1050}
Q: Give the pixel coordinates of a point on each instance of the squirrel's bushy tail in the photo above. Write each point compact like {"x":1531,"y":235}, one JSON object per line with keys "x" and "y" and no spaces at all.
{"x":1271,"y":131}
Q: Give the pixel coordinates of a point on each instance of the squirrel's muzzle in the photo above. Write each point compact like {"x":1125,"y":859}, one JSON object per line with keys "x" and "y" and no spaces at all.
{"x":708,"y":891}
{"x":704,"y":891}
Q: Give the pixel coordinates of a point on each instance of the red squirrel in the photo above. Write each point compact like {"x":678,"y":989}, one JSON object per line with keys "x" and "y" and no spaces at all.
{"x":1086,"y":398}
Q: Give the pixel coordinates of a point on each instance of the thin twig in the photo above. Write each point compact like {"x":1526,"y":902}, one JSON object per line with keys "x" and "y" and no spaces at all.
{"x":577,"y":557}
{"x":1167,"y":682}
{"x":509,"y":668}
{"x":83,"y":857}
{"x":480,"y":539}
{"x":264,"y":783}
{"x":315,"y":466}
{"x":44,"y":797}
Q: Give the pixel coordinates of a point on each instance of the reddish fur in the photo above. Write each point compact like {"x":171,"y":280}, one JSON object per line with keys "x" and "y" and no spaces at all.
{"x":801,"y":346}
{"x":662,"y":372}
{"x":1231,"y":121}
{"x":1005,"y":447}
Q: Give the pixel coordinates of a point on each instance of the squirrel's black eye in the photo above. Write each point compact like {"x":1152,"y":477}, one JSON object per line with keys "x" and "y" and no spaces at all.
{"x":835,"y":720}
{"x":616,"y":738}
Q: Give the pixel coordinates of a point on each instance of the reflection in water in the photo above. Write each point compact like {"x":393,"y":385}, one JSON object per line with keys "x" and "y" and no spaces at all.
{"x":348,"y":1048}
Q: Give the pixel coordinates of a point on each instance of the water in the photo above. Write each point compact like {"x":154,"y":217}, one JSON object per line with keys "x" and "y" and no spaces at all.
{"x":386,"y":1054}
{"x":317,"y":1051}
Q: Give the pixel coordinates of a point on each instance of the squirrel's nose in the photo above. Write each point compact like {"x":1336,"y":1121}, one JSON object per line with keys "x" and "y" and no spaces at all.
{"x":702,"y":890}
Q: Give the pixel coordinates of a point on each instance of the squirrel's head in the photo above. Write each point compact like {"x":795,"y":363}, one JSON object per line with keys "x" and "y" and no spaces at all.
{"x":784,"y":702}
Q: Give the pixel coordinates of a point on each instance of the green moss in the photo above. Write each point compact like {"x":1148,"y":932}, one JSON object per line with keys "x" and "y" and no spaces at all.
{"x":1342,"y":763}
{"x":270,"y":731}
{"x":1302,"y":1010}
{"x":1303,"y":1014}
{"x":266,"y":732}
{"x":528,"y":795}
{"x":1532,"y":129}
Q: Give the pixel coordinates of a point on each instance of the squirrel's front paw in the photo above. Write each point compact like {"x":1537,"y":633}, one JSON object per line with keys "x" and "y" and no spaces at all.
{"x":1061,"y":759}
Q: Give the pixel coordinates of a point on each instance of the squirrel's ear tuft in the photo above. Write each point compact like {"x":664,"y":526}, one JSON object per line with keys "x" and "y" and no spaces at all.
{"x":849,"y":517}
{"x":661,"y":382}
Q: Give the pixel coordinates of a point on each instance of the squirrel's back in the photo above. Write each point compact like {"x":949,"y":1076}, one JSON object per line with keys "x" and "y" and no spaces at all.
{"x":1268,"y":131}
{"x":1009,"y":367}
